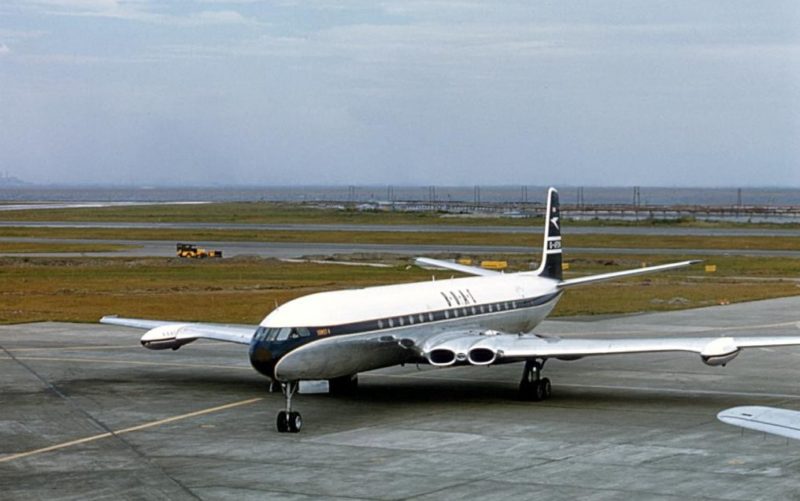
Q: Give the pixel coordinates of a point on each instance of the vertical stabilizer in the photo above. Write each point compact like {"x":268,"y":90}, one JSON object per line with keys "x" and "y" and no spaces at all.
{"x":550,"y":266}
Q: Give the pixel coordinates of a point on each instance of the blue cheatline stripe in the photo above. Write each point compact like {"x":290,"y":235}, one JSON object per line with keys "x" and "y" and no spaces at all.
{"x":433,"y":316}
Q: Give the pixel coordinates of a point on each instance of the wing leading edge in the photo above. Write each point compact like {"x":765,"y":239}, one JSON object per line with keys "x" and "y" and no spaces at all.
{"x":165,"y":334}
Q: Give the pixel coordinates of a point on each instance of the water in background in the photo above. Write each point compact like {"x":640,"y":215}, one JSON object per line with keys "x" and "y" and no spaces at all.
{"x":710,"y":197}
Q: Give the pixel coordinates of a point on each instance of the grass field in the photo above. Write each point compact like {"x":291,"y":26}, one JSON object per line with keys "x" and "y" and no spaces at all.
{"x":38,"y":247}
{"x":246,"y":212}
{"x":245,"y":290}
{"x":298,"y":213}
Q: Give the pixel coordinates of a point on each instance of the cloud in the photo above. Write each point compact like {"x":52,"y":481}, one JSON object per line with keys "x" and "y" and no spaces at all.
{"x":4,"y":50}
{"x":140,"y":11}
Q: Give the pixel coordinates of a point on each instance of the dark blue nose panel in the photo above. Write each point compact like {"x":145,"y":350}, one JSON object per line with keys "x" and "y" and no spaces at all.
{"x":265,"y":354}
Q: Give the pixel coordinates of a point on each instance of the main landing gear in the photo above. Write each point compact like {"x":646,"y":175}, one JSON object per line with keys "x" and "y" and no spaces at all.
{"x":288,"y":420}
{"x":533,"y":386}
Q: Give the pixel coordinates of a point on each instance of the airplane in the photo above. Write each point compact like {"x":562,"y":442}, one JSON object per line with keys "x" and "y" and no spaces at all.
{"x":484,"y":319}
{"x":783,"y":422}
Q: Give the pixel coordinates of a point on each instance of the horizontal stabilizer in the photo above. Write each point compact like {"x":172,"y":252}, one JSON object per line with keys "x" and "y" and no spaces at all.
{"x":449,"y":265}
{"x":627,"y":273}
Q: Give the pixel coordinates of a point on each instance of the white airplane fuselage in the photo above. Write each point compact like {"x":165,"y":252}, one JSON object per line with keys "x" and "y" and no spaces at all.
{"x":339,"y":333}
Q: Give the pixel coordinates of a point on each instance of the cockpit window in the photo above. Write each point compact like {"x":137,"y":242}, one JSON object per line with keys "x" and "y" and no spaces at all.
{"x":260,"y":333}
{"x":285,"y":333}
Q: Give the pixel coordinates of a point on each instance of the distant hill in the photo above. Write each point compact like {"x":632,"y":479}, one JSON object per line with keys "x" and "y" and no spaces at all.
{"x":6,"y":181}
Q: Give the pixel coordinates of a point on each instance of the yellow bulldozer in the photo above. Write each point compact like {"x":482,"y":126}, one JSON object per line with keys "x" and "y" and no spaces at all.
{"x":191,"y":251}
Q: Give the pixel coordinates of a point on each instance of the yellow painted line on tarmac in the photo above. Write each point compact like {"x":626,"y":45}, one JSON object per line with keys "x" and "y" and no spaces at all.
{"x":132,"y":362}
{"x":140,"y":427}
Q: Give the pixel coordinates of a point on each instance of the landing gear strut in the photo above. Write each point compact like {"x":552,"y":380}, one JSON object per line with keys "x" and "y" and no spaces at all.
{"x":532,"y":386}
{"x":289,"y":421}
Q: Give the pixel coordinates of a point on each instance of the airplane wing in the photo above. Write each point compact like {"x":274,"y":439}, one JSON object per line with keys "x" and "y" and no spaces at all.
{"x":165,"y":334}
{"x":783,"y":422}
{"x":447,"y":265}
{"x":490,"y":347}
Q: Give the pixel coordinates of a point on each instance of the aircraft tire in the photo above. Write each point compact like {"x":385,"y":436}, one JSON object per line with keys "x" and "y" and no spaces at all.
{"x":547,"y":388}
{"x":525,"y":390}
{"x":295,"y":422}
{"x":537,"y":391}
{"x":282,"y":422}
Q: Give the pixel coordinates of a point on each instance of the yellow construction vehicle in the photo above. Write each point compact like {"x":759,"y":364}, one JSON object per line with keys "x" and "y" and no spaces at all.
{"x":191,"y":251}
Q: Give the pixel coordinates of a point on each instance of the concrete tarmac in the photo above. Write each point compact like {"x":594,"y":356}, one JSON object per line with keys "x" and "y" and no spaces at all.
{"x":86,"y":413}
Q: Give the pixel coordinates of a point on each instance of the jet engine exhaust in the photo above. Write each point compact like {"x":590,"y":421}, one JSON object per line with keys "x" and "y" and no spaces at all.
{"x":441,"y":357}
{"x":482,"y":356}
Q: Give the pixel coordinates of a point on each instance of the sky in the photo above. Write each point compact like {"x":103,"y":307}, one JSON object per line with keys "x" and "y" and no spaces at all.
{"x":447,"y":92}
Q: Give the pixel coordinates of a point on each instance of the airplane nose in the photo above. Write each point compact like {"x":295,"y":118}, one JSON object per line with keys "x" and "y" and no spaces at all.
{"x":262,"y":360}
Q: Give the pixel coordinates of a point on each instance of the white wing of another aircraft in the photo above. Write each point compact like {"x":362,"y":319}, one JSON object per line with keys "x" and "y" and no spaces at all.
{"x":783,"y":422}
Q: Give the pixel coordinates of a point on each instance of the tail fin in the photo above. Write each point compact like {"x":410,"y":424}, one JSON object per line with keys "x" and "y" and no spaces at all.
{"x":550,"y":266}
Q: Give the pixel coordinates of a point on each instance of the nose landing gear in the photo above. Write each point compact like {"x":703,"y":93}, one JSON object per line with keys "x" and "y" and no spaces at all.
{"x":288,"y":420}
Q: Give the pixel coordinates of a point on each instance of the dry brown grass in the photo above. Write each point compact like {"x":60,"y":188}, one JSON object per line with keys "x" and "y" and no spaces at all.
{"x":245,"y":290}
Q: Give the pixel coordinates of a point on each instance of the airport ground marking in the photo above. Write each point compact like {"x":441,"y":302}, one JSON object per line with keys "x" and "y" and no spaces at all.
{"x":140,"y":427}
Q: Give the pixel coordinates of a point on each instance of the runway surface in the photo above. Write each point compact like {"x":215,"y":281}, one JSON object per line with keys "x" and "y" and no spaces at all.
{"x":87,"y":413}
{"x":287,"y":250}
{"x":533,"y":229}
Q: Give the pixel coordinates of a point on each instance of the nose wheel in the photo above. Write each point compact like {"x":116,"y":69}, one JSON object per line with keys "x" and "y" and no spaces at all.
{"x":289,"y":421}
{"x":533,"y":386}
